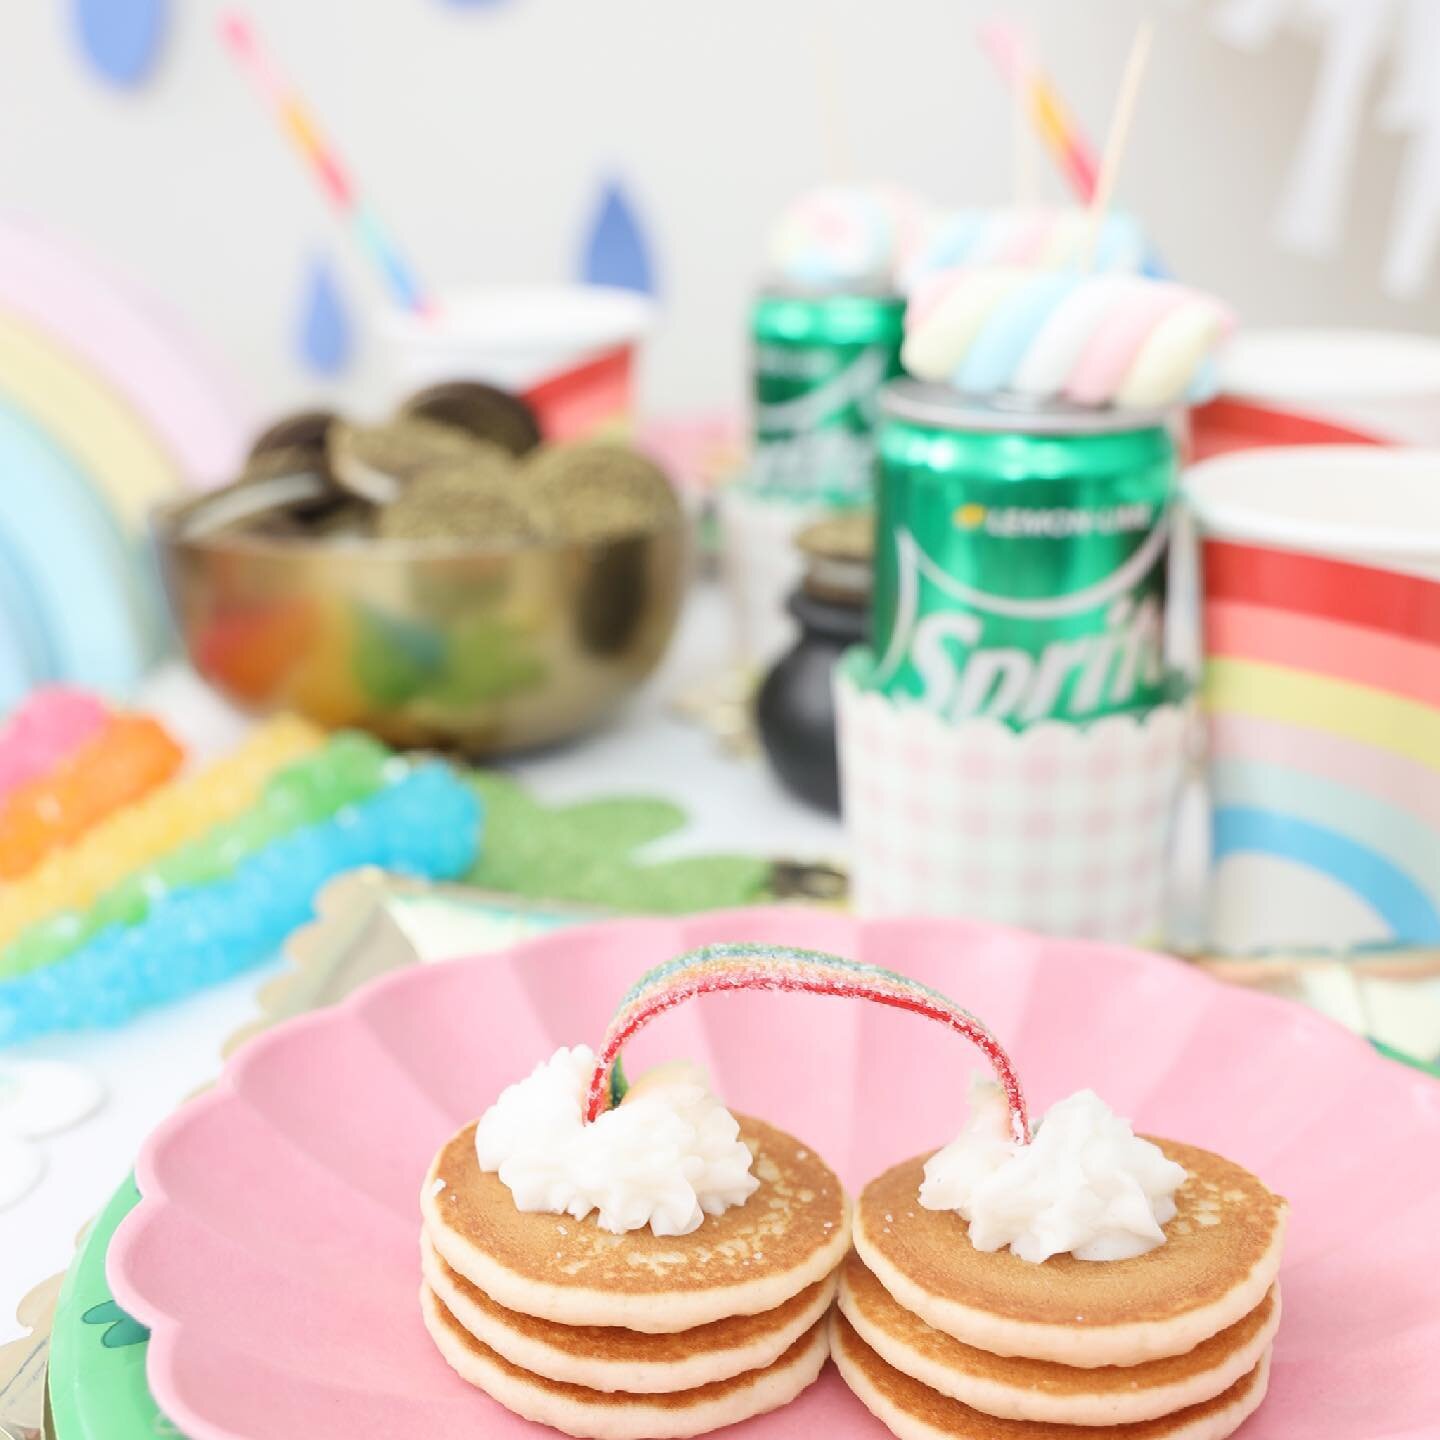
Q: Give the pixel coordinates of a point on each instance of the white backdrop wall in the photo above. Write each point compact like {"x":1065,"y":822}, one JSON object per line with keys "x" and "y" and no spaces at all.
{"x":485,"y":132}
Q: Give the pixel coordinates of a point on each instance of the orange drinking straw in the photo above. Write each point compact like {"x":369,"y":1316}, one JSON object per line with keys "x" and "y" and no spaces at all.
{"x":1068,"y":147}
{"x":129,"y":757}
{"x":322,"y":158}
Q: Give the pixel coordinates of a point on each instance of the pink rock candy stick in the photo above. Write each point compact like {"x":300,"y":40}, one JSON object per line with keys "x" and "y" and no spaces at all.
{"x":48,"y":727}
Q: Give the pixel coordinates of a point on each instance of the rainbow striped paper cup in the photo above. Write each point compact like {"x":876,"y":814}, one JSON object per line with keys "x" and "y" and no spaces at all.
{"x":1310,"y":386}
{"x":570,"y":349}
{"x":1321,"y":689}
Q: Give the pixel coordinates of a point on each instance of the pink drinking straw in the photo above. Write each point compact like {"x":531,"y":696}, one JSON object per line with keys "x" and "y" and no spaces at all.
{"x":1068,"y":147}
{"x":324,"y":162}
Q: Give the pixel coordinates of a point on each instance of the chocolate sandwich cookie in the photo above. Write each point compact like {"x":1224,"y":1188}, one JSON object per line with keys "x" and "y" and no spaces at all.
{"x":474,"y":499}
{"x":304,"y":431}
{"x":376,"y":463}
{"x":481,"y":410}
{"x":597,"y":490}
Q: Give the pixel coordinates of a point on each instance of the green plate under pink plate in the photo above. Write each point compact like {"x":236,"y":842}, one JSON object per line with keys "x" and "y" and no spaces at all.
{"x":98,"y":1389}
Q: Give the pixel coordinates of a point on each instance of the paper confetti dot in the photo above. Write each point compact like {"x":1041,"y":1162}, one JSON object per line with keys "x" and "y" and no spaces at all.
{"x":325,"y":336}
{"x":616,"y":251}
{"x":121,"y":38}
{"x":43,"y":1097}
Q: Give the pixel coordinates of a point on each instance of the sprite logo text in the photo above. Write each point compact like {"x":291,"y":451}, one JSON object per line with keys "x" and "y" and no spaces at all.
{"x":1055,"y":523}
{"x":965,"y":669}
{"x":819,"y":439}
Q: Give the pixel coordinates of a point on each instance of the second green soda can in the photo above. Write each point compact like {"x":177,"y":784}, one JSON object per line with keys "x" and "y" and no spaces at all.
{"x":820,"y":361}
{"x":1020,"y":558}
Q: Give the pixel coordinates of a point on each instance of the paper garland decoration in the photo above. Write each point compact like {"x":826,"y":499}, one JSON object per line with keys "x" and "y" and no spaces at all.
{"x":1359,"y":38}
{"x":1323,"y":691}
{"x":121,"y":39}
{"x":38,"y":1098}
{"x":616,"y":251}
{"x":326,"y":338}
{"x":104,"y":409}
{"x":588,"y":853}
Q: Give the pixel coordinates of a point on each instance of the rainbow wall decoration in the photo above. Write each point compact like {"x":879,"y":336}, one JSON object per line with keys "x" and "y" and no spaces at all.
{"x":1322,"y":688}
{"x":104,"y":409}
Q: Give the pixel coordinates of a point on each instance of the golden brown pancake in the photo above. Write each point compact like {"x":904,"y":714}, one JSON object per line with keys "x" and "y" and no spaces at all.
{"x":1221,"y":1254}
{"x":616,"y":1416}
{"x":913,"y":1411}
{"x":1040,"y":1389}
{"x":610,"y":1358}
{"x":793,"y":1231}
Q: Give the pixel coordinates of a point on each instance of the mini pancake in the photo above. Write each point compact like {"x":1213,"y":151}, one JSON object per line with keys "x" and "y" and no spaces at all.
{"x":1221,"y":1255}
{"x":913,"y":1411}
{"x":1022,"y":1389}
{"x":614,"y":1416}
{"x":793,"y":1231}
{"x":610,"y":1358}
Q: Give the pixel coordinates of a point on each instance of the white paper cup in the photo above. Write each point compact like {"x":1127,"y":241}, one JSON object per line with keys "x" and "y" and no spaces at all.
{"x":576,"y":343}
{"x":761,"y":566}
{"x":1321,"y":386}
{"x":1056,"y":828}
{"x":1322,"y":696}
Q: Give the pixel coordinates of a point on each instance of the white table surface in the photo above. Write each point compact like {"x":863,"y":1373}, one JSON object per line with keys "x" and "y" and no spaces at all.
{"x":149,"y":1066}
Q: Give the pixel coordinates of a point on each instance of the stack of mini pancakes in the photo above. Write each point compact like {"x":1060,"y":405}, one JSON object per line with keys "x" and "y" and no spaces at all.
{"x":939,"y":1339}
{"x":624,"y":1336}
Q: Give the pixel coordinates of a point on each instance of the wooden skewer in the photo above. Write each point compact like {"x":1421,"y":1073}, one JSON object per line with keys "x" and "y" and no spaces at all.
{"x":1115,"y":140}
{"x":832,"y":112}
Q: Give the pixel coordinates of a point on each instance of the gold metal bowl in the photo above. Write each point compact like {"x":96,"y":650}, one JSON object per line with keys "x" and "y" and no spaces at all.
{"x":425,"y":643}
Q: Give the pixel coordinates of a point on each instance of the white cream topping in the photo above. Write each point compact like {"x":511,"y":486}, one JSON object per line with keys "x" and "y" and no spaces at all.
{"x":666,"y":1157}
{"x":1086,"y":1183}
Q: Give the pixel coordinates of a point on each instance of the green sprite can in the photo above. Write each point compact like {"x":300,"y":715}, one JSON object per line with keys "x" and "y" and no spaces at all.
{"x":1020,"y":557}
{"x":821,"y":361}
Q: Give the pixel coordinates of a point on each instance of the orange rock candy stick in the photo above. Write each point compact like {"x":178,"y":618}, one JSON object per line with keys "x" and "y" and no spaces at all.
{"x":129,"y":757}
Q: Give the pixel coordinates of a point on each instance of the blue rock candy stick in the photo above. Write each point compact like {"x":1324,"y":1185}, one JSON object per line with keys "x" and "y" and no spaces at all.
{"x":427,"y":823}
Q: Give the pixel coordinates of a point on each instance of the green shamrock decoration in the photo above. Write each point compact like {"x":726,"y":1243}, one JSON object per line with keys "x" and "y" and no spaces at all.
{"x":120,"y":1330}
{"x":585,"y":854}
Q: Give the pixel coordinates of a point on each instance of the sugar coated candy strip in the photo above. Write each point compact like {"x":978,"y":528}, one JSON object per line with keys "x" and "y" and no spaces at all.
{"x":720,"y":968}
{"x":172,"y":815}
{"x":125,"y":760}
{"x":426,"y":823}
{"x":346,"y":769}
{"x":51,"y":724}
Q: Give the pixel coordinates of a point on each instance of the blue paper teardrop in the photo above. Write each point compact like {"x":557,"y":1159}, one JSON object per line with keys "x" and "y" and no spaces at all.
{"x":121,"y":38}
{"x":616,"y":251}
{"x":325,"y":336}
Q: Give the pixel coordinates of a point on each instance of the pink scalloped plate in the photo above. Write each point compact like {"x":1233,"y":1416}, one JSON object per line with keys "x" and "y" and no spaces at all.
{"x":274,"y":1254}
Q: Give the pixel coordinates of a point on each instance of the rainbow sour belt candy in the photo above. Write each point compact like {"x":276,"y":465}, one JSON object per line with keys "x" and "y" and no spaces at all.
{"x":52,"y":724}
{"x":427,"y":823}
{"x":127,"y":759}
{"x":719,"y":968}
{"x":135,"y":837}
{"x":1121,"y":340}
{"x":346,"y":770}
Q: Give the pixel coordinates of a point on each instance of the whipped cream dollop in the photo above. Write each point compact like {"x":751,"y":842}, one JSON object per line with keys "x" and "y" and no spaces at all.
{"x":667,"y":1156}
{"x":1086,"y":1183}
